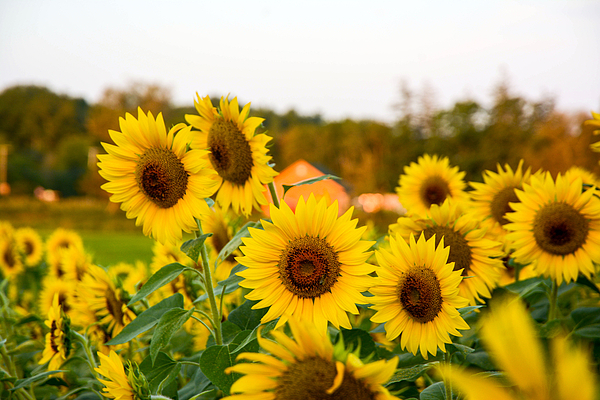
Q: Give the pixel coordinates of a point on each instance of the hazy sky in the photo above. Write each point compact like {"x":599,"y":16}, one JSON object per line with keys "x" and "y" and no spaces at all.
{"x":338,"y":58}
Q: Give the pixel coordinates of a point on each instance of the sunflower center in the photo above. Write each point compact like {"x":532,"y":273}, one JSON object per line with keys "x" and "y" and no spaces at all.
{"x":161,"y":176}
{"x":29,"y":247}
{"x":434,"y":190}
{"x":113,"y":306}
{"x":309,"y":267}
{"x":460,"y":251}
{"x":560,"y":229}
{"x":9,"y":257}
{"x":230,"y":152}
{"x":420,"y":294}
{"x":312,"y":377}
{"x":499,"y":205}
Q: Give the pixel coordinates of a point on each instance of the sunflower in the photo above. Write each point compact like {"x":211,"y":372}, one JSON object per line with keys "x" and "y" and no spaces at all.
{"x":30,"y":244}
{"x":595,"y":124}
{"x":62,"y":238}
{"x":587,"y":177}
{"x":416,"y":294}
{"x":61,"y":289}
{"x":154,"y":176}
{"x":11,"y":263}
{"x":237,"y":154}
{"x":472,"y":249}
{"x":428,"y":182}
{"x":102,"y":302}
{"x":509,"y":336}
{"x":128,"y":276}
{"x":308,"y":367}
{"x":121,"y":384}
{"x":490,"y":199}
{"x":58,"y":341}
{"x":6,"y":230}
{"x":556,"y":227}
{"x":310,"y":263}
{"x":74,"y":264}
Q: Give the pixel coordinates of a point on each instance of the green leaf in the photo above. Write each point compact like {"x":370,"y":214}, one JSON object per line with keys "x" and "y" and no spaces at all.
{"x":193,"y":247}
{"x":586,"y":316}
{"x":26,"y":382}
{"x":265,"y":329}
{"x":410,"y":374}
{"x":245,"y":317}
{"x":236,"y":241}
{"x":466,"y":310}
{"x":590,"y":331}
{"x":147,"y":319}
{"x":308,"y":182}
{"x":169,"y":323}
{"x":481,"y":359}
{"x":358,"y":337}
{"x":216,"y":359}
{"x":584,"y":281}
{"x":157,"y":371}
{"x":231,"y":284}
{"x":460,"y":348}
{"x":163,"y":276}
{"x":528,"y":287}
{"x":437,"y":391}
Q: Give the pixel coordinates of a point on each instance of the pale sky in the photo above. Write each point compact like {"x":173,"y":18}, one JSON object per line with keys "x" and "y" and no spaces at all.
{"x":338,"y":58}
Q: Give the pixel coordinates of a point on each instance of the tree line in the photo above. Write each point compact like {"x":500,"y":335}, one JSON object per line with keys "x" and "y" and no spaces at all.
{"x":53,"y":138}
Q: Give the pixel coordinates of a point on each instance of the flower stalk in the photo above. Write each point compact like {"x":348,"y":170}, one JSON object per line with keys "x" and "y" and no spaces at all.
{"x":210,"y":291}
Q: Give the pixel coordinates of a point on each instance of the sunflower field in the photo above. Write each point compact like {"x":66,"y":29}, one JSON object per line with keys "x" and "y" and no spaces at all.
{"x":480,"y":290}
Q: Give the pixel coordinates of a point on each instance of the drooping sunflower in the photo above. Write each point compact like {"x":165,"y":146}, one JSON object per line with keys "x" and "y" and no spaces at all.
{"x":472,"y":249}
{"x":308,"y":367}
{"x":119,"y":383}
{"x":102,"y":302}
{"x":310,"y":263}
{"x":556,"y":228}
{"x":30,"y":244}
{"x":62,"y":238}
{"x":11,"y":263}
{"x":237,"y":154}
{"x":490,"y":199}
{"x":416,"y":294}
{"x":155,"y":177}
{"x":509,"y":336}
{"x":58,"y":340}
{"x":430,"y":181}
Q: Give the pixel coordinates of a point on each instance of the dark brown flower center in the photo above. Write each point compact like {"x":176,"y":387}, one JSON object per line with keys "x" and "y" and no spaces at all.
{"x":309,"y":266}
{"x":113,"y":306}
{"x":312,"y":377}
{"x":420,"y":294}
{"x":560,"y":229}
{"x":460,"y":251}
{"x":29,"y":247}
{"x":499,"y":205}
{"x":161,"y":176}
{"x":8,"y":257}
{"x":230,"y":152}
{"x":434,"y":190}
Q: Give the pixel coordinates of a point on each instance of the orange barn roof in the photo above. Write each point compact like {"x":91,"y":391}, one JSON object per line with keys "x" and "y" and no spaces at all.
{"x":302,"y":170}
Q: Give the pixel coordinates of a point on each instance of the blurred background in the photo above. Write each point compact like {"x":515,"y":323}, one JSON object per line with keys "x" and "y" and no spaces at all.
{"x":356,"y":89}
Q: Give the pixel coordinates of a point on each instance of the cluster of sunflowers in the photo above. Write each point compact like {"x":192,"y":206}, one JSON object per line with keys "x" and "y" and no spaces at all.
{"x":501,"y":279}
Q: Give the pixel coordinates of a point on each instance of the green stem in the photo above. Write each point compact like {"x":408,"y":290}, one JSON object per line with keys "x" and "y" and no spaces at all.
{"x":447,"y":384}
{"x":195,"y":364}
{"x":273,"y":191}
{"x":210,"y":291}
{"x":88,"y":352}
{"x":553,"y":302}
